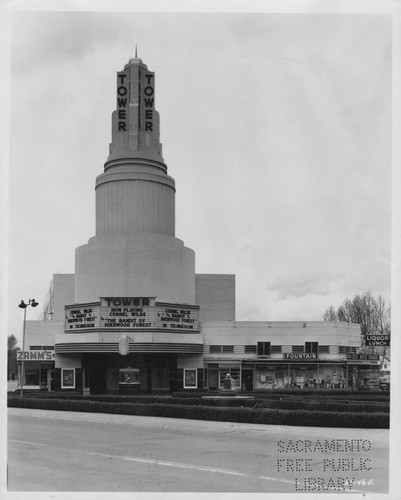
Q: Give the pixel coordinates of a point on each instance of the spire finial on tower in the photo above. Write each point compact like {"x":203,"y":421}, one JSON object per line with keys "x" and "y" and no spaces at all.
{"x":136,"y":52}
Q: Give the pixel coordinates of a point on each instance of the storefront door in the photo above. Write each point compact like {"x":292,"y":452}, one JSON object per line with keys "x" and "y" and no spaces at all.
{"x":149,"y":380}
{"x":52,"y":380}
{"x":97,"y":381}
{"x":160,"y":379}
{"x":213,"y":379}
{"x":247,"y":380}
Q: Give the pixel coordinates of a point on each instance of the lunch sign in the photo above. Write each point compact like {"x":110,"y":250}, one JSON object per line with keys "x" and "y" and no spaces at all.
{"x":127,"y":313}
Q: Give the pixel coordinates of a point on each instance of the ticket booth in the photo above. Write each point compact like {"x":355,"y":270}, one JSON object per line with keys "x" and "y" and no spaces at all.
{"x":129,"y":382}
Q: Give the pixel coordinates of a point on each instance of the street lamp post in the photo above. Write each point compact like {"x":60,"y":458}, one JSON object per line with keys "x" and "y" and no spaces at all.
{"x":32,"y":303}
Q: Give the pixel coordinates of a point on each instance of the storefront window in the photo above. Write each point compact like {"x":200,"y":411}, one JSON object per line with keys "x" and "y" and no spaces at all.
{"x":31,"y":376}
{"x":272,"y":377}
{"x":35,"y":374}
{"x":368,"y":378}
{"x":235,"y":376}
{"x":279,"y":378}
{"x":265,"y":378}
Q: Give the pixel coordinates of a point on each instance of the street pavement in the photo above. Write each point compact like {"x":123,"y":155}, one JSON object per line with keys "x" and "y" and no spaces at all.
{"x":83,"y":452}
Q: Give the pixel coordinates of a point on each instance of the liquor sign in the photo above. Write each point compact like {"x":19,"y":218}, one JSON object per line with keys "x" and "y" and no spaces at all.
{"x":178,"y":317}
{"x":370,"y":357}
{"x":299,"y":355}
{"x":81,"y":316}
{"x":377,"y":340}
{"x":37,"y":355}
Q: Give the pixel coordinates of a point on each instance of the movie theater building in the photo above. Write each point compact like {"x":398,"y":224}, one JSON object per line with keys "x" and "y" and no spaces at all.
{"x":136,"y":317}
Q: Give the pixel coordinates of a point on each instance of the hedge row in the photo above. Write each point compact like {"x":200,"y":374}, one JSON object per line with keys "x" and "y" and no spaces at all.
{"x":333,"y":406}
{"x":195,"y":398}
{"x":199,"y":412}
{"x":301,"y":395}
{"x":284,"y":404}
{"x":279,"y":393}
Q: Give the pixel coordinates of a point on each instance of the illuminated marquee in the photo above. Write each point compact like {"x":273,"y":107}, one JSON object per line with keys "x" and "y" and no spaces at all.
{"x":84,"y":316}
{"x":127,"y":317}
{"x":182,"y":317}
{"x":131,"y":313}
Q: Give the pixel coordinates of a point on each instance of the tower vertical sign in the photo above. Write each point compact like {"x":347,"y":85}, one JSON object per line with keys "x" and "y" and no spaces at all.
{"x":122,"y":101}
{"x":148,"y":101}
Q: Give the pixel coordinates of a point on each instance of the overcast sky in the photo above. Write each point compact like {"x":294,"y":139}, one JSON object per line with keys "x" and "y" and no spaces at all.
{"x":275,"y":127}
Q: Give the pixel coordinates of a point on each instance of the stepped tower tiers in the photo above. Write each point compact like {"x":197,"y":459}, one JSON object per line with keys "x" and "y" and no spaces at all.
{"x":135,"y":252}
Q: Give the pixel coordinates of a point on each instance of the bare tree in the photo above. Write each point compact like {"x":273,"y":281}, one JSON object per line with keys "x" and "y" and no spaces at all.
{"x":371,"y":313}
{"x":11,"y":357}
{"x":46,"y":313}
{"x":330,"y":314}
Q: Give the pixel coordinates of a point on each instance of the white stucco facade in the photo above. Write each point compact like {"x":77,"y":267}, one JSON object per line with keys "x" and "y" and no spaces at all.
{"x":140,"y":265}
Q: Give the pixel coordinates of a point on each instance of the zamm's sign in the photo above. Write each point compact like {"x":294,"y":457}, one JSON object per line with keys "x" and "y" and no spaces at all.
{"x":37,"y":355}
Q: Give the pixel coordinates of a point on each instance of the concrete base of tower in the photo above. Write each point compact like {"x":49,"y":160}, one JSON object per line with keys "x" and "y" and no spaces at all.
{"x":144,"y":265}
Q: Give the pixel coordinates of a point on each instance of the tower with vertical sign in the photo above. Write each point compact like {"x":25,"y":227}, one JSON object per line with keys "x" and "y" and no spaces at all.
{"x":135,"y":251}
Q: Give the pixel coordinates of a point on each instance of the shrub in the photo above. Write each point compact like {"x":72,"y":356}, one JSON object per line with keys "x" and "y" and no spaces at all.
{"x":257,"y":415}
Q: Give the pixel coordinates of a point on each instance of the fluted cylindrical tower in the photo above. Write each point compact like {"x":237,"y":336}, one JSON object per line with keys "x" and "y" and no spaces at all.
{"x":135,"y":252}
